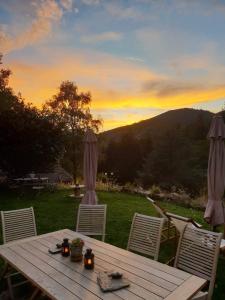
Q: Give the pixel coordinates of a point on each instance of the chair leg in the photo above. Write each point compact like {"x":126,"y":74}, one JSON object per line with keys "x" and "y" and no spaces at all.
{"x":103,"y":237}
{"x":10,"y":288}
{"x":169,"y":228}
{"x":6,"y":274}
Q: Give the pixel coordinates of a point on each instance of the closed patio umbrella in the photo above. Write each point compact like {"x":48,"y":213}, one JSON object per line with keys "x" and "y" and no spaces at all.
{"x":215,"y":213}
{"x":90,"y":167}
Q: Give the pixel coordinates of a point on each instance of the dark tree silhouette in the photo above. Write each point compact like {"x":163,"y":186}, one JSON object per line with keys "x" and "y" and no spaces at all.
{"x":125,"y":157}
{"x":28,"y":140}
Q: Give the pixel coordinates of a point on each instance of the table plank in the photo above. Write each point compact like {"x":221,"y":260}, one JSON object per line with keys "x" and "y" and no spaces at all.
{"x":185,"y":290}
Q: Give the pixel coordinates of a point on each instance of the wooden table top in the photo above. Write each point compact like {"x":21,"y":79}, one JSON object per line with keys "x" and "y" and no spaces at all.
{"x":61,"y":279}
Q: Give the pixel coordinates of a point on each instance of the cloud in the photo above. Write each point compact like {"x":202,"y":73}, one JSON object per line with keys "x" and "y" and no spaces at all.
{"x":102,"y":37}
{"x":122,"y":12}
{"x":204,"y":6}
{"x":137,"y":59}
{"x":67,"y":4}
{"x":169,"y":93}
{"x":190,"y":62}
{"x":167,"y":88}
{"x":112,"y":81}
{"x":46,"y":14}
{"x":115,"y":83}
{"x":91,"y":2}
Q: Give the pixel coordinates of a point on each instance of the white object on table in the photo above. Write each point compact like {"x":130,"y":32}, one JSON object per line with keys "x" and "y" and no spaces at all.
{"x":61,"y":279}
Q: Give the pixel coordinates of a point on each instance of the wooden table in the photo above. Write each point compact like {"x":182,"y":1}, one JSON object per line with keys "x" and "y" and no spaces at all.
{"x":59,"y":278}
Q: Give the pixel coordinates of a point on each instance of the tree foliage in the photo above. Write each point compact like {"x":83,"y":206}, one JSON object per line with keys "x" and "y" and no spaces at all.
{"x":71,"y":110}
{"x":28,"y":140}
{"x":125,"y":157}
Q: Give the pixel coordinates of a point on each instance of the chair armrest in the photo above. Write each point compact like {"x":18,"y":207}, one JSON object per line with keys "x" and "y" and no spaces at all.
{"x":170,"y":215}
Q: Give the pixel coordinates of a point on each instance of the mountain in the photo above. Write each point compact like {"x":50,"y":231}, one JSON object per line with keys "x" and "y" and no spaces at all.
{"x":158,"y":125}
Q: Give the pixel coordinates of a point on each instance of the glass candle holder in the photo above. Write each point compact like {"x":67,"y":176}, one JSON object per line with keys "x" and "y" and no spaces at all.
{"x":89,"y":259}
{"x":65,"y":248}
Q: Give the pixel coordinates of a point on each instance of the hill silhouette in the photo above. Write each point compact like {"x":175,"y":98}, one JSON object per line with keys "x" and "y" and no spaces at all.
{"x":159,"y":124}
{"x":168,"y":150}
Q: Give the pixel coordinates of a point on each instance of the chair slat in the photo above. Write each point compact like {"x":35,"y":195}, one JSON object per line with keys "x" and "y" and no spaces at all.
{"x":145,"y":235}
{"x":198,"y":252}
{"x":91,"y":220}
{"x":18,"y":224}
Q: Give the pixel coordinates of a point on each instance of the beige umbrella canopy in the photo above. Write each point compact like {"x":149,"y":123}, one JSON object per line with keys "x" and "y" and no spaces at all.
{"x":90,"y":167}
{"x":215,"y":213}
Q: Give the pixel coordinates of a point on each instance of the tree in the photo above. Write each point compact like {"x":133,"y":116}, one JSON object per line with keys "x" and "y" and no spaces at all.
{"x":70,"y":109}
{"x":28,"y":140}
{"x":177,"y":160}
{"x":4,"y":76}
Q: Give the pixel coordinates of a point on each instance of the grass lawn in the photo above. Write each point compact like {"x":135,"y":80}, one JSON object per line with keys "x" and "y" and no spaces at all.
{"x":57,"y":210}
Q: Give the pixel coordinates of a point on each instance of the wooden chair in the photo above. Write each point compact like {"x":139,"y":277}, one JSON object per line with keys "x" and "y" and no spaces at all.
{"x":145,"y":235}
{"x":91,"y":220}
{"x":197,"y":254}
{"x":180,"y":222}
{"x":16,"y":224}
{"x":169,"y":229}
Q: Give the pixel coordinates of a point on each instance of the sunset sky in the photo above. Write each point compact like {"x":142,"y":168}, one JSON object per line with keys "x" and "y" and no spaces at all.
{"x":138,"y":58}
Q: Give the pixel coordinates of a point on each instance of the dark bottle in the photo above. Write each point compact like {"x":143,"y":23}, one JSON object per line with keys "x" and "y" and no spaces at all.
{"x":89,"y":259}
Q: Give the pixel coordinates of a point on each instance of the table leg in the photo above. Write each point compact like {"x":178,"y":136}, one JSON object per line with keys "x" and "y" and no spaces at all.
{"x":4,"y":272}
{"x":10,"y":288}
{"x":35,"y":294}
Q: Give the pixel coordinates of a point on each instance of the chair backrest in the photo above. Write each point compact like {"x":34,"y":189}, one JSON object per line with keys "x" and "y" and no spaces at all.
{"x":145,"y":235}
{"x":18,"y":224}
{"x":160,"y":211}
{"x":198,"y":252}
{"x":180,"y":222}
{"x":91,"y":220}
